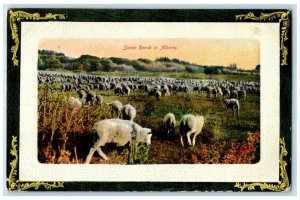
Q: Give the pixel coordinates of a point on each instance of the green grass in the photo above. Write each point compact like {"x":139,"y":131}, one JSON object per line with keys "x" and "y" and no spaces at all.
{"x":224,"y":126}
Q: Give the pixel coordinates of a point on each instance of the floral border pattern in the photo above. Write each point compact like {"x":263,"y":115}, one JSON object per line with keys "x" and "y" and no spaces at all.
{"x":17,"y":16}
{"x":282,"y":185}
{"x":283,"y":17}
{"x":284,"y":20}
{"x":14,"y":184}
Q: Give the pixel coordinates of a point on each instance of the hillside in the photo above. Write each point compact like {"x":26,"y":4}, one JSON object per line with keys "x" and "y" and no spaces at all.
{"x":51,"y":60}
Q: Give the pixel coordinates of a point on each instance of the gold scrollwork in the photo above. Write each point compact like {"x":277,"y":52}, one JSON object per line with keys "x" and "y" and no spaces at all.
{"x":14,"y":184}
{"x":284,"y":21}
{"x":16,"y":16}
{"x":282,"y":185}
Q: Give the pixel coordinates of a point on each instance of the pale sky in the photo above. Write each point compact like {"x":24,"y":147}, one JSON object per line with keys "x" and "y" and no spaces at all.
{"x":244,"y":52}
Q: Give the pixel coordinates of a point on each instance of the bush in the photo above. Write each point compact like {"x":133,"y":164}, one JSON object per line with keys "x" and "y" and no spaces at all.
{"x":125,"y":68}
{"x":138,"y":65}
{"x":107,"y":64}
{"x":234,"y":152}
{"x":191,"y":69}
{"x":120,"y":61}
{"x":147,"y":61}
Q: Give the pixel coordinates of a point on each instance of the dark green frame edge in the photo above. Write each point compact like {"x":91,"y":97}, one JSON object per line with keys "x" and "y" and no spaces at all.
{"x":146,"y":15}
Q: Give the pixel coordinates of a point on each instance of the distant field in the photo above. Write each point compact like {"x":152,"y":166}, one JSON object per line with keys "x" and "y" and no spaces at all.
{"x":66,"y":136}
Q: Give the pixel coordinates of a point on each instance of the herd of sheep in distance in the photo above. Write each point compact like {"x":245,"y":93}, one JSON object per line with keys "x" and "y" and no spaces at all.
{"x":122,"y":128}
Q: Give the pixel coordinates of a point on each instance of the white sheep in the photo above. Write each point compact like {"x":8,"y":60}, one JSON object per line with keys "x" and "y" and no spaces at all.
{"x":74,"y":103}
{"x":219,"y":92}
{"x":99,"y":99}
{"x":190,"y":124}
{"x":233,"y":104}
{"x":116,"y":106}
{"x":120,"y":132}
{"x":226,"y":92}
{"x":242,"y":94}
{"x":169,"y":122}
{"x":165,"y":90}
{"x":234,"y":93}
{"x":158,"y":95}
{"x":128,"y":112}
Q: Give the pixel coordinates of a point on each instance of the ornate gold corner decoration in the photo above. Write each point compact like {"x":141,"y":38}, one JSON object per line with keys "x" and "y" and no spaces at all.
{"x":17,"y":16}
{"x":14,"y":184}
{"x":283,"y":19}
{"x":283,"y":184}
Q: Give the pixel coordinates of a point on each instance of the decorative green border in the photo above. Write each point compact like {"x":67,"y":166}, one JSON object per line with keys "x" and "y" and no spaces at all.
{"x":17,"y":16}
{"x":13,"y":183}
{"x":284,"y":20}
{"x":282,"y":185}
{"x":16,"y":185}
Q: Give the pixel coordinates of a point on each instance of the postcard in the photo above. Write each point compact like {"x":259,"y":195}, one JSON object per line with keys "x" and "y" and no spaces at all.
{"x":120,"y":105}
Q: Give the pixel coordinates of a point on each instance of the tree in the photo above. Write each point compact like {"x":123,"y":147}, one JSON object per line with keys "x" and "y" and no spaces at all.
{"x":138,"y":65}
{"x":191,"y":69}
{"x":94,"y":65}
{"x":54,"y":63}
{"x":212,"y":70}
{"x":144,"y":60}
{"x":74,"y":65}
{"x":107,"y":64}
{"x":41,"y":63}
{"x":257,"y":68}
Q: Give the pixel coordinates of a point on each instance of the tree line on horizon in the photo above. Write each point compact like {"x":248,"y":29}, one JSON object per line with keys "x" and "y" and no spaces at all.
{"x":51,"y":60}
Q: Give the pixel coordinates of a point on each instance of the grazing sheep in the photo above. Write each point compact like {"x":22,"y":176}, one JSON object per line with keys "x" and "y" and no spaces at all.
{"x":147,"y":88}
{"x":87,"y":97}
{"x":152,"y":92}
{"x":99,"y":99}
{"x":170,"y":88}
{"x":242,"y":94}
{"x":165,"y":90}
{"x":210,"y":91}
{"x":226,"y":92}
{"x":120,"y":132}
{"x":197,"y":88}
{"x":126,"y":90}
{"x":155,"y":92}
{"x":128,"y":112}
{"x":214,"y":92}
{"x":234,"y":94}
{"x":82,"y":93}
{"x":158,"y":95}
{"x":119,"y":90}
{"x":66,"y":87}
{"x":116,"y":106}
{"x":233,"y":104}
{"x":169,"y":122}
{"x":91,"y":98}
{"x":190,"y":124}
{"x":74,"y":103}
{"x":219,"y":92}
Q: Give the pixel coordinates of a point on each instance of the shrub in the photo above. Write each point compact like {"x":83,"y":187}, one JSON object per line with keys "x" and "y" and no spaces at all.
{"x":234,"y":152}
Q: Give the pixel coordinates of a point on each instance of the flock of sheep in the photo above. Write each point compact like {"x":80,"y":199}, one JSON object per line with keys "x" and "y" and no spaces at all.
{"x":122,"y":129}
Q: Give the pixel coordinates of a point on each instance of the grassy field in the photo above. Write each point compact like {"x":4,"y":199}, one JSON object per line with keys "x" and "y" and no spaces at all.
{"x":65,"y":135}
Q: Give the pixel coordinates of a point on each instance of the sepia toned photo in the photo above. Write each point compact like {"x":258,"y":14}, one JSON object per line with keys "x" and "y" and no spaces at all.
{"x":148,"y":101}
